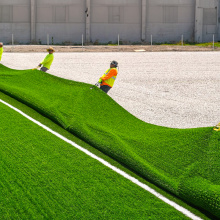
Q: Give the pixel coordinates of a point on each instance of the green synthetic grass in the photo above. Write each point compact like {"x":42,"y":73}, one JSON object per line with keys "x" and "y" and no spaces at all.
{"x":185,"y":162}
{"x":44,"y":120}
{"x":42,"y":177}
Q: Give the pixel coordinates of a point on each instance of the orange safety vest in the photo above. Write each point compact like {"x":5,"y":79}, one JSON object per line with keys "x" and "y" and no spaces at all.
{"x":109,"y":77}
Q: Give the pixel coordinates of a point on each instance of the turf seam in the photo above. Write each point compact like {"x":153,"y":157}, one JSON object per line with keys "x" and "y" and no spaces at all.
{"x":107,"y":164}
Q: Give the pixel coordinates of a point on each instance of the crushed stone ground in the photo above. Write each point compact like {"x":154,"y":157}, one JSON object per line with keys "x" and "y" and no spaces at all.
{"x":107,"y":48}
{"x":172,"y":89}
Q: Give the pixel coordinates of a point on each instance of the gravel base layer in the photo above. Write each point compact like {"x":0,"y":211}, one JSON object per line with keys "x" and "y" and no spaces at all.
{"x":106,"y":48}
{"x":172,"y":89}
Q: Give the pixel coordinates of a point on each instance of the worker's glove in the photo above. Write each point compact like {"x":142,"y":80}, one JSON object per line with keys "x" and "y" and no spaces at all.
{"x":97,"y":84}
{"x":100,"y":80}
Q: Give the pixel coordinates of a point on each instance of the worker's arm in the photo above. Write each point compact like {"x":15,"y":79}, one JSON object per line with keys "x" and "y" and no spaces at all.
{"x":112,"y":72}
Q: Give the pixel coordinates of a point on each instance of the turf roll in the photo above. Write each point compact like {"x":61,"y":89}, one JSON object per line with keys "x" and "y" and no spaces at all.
{"x":185,"y":162}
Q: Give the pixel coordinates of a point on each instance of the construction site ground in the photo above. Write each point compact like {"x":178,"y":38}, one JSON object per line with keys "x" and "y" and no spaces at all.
{"x":103,"y":48}
{"x":173,"y":86}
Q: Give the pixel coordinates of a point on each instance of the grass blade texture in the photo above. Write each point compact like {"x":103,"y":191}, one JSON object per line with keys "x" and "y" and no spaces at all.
{"x":185,"y":162}
{"x":43,"y":177}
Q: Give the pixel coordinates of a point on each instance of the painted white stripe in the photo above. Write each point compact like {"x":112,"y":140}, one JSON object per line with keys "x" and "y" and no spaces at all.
{"x":117,"y":170}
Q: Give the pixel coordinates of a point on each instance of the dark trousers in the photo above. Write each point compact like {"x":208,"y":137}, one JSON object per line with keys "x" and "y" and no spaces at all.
{"x":44,"y":69}
{"x":105,"y":88}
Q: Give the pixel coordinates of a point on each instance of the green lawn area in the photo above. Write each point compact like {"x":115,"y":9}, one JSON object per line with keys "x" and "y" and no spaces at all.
{"x":43,"y":177}
{"x":185,"y":162}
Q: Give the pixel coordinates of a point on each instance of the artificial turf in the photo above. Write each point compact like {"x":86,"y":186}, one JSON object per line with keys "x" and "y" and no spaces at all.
{"x":43,"y":177}
{"x":185,"y":162}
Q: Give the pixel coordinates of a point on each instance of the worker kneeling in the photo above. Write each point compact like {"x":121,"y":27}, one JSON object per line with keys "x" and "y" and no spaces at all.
{"x":108,"y":78}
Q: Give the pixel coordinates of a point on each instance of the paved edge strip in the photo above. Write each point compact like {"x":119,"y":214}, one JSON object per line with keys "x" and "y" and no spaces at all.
{"x":107,"y":164}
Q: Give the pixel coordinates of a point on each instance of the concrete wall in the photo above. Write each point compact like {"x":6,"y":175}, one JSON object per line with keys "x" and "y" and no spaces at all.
{"x":64,"y":21}
{"x":14,"y":19}
{"x":218,"y":37}
{"x":102,"y":20}
{"x":168,"y":20}
{"x":110,"y":18}
{"x":206,"y":24}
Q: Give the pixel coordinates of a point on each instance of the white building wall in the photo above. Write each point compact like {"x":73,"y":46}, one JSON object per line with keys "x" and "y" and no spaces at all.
{"x":206,"y":24}
{"x":110,"y":18}
{"x":218,"y":37}
{"x":102,"y":20}
{"x":63,"y":21}
{"x":14,"y":19}
{"x":168,"y":20}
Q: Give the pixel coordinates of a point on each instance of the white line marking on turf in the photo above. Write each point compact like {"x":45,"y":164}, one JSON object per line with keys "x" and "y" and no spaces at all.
{"x":117,"y":170}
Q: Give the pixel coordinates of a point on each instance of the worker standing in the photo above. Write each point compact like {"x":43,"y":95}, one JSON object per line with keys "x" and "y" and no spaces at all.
{"x":108,"y":78}
{"x":1,"y":50}
{"x":48,"y":60}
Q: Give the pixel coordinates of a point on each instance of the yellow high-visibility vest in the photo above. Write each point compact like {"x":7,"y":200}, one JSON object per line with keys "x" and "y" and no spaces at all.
{"x":48,"y":61}
{"x":1,"y":52}
{"x":111,"y":80}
